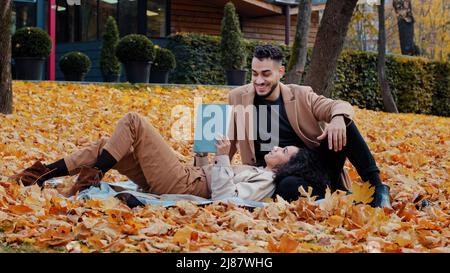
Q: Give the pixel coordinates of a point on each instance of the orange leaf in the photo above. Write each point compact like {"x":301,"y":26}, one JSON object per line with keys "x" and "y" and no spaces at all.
{"x":426,"y":224}
{"x":404,"y":239}
{"x":362,"y":192}
{"x":194,"y":236}
{"x":287,"y":245}
{"x":335,"y":221}
{"x":407,"y":211}
{"x":20,"y":209}
{"x":344,"y":250}
{"x":182,"y":236}
{"x":271,"y":246}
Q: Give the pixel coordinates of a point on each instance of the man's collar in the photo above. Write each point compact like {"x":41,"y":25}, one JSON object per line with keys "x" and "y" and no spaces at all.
{"x":286,"y":93}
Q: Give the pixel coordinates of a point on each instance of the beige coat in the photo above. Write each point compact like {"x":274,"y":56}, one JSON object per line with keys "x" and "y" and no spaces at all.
{"x":225,"y":180}
{"x":252,"y":183}
{"x":306,"y":111}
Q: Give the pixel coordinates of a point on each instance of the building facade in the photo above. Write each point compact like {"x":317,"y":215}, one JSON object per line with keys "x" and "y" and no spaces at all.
{"x":79,"y":24}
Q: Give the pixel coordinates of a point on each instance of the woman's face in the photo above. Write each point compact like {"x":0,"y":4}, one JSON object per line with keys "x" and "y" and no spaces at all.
{"x":280,"y":156}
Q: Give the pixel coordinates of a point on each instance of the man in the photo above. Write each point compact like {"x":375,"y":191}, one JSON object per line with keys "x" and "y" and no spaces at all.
{"x":299,"y":113}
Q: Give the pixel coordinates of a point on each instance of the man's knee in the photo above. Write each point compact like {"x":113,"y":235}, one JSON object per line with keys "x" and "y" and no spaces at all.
{"x":133,"y":119}
{"x":132,"y":116}
{"x":96,"y":144}
{"x":353,"y":131}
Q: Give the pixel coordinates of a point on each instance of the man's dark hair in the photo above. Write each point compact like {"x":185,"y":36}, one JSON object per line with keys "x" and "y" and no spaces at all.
{"x":268,"y":52}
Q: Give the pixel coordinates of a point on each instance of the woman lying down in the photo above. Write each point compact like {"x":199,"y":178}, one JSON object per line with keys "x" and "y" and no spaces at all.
{"x":137,"y":150}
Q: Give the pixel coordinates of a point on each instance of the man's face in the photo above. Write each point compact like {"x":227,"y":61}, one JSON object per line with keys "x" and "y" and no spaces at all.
{"x":279,"y":156}
{"x":266,"y":74}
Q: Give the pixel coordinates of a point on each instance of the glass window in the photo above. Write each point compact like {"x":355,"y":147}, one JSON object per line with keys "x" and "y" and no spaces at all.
{"x":76,"y":23}
{"x":88,"y":20}
{"x":61,"y":21}
{"x":128,"y":16}
{"x":106,"y":8}
{"x":23,"y":15}
{"x":156,"y":18}
{"x":67,"y":22}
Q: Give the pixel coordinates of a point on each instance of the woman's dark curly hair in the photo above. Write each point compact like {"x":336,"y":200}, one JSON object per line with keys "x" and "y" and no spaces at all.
{"x":306,"y":166}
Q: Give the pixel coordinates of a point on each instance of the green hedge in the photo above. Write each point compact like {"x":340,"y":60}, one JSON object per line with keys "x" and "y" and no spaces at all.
{"x":198,"y":58}
{"x":441,"y":89}
{"x":418,"y":85}
{"x":356,"y":80}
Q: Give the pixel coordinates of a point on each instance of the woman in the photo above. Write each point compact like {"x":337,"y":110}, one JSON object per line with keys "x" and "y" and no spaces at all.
{"x":137,"y":150}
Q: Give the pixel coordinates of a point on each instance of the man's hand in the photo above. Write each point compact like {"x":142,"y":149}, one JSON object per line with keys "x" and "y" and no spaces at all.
{"x":201,"y":154}
{"x":223,"y":145}
{"x":336,"y":131}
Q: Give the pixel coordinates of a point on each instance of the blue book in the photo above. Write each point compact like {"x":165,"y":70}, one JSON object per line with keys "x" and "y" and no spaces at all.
{"x":211,"y":120}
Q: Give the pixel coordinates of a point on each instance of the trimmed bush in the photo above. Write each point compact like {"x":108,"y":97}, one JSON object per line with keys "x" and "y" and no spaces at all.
{"x":75,"y":63}
{"x":441,"y":88}
{"x":31,"y":42}
{"x":109,"y":63}
{"x":135,"y":48}
{"x":164,"y":60}
{"x":232,"y":47}
{"x":410,"y":80}
{"x":356,"y":80}
{"x":411,"y":83}
{"x":197,"y":57}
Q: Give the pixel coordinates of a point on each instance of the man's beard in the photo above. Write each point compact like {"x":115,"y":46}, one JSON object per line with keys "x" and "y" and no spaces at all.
{"x":268,"y":94}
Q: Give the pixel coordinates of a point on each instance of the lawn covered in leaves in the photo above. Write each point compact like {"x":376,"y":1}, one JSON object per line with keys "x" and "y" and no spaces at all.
{"x":51,"y":120}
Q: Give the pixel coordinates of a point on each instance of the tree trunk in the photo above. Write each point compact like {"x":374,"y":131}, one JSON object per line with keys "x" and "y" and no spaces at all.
{"x":328,"y":46}
{"x":405,"y":22}
{"x":5,"y":57}
{"x":388,"y":100}
{"x":297,"y":61}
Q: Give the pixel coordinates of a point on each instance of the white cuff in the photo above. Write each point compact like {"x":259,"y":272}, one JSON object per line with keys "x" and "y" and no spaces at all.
{"x":222,"y":161}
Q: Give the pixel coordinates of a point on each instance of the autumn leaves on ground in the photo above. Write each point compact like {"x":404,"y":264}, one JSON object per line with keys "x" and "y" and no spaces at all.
{"x":51,"y":120}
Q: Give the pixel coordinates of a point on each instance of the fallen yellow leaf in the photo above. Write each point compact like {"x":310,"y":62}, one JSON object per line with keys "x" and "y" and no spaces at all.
{"x":362,"y":192}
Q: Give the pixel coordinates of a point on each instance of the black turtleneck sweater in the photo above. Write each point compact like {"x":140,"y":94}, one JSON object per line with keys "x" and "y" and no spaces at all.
{"x":286,"y":136}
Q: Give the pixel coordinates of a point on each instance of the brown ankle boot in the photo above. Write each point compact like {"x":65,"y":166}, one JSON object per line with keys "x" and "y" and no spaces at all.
{"x":87,"y":177}
{"x":33,"y":174}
